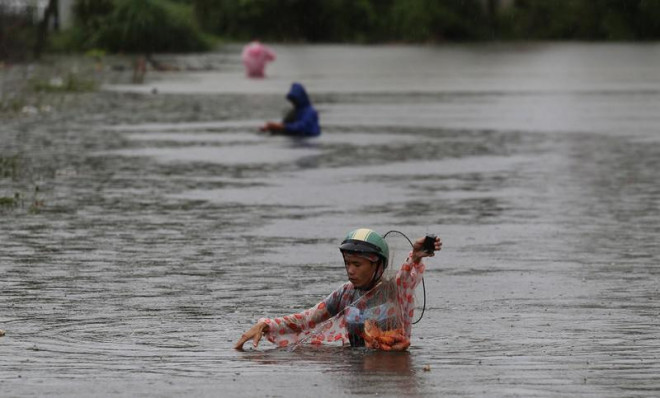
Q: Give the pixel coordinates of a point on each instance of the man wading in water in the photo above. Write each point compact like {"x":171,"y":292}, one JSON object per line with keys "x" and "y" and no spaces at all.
{"x":301,"y":121}
{"x":345,"y":311}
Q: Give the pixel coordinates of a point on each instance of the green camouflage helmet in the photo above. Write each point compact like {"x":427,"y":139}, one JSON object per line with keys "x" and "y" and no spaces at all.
{"x":365,"y":240}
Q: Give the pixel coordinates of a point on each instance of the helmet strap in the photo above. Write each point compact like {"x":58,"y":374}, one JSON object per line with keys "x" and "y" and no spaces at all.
{"x":377,"y":274}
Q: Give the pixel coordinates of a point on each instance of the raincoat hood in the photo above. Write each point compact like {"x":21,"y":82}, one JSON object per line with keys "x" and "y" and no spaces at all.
{"x":298,"y":96}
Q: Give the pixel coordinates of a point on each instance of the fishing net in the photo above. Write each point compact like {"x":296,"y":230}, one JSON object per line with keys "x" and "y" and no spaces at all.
{"x":380,"y":318}
{"x":400,"y":247}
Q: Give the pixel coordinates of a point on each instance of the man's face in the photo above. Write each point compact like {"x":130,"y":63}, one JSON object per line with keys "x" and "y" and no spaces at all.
{"x":359,"y":270}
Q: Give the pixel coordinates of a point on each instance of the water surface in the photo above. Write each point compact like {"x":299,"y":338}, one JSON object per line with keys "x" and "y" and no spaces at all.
{"x":164,"y":225}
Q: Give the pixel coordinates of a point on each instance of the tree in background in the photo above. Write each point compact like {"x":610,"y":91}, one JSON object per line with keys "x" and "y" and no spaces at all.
{"x":138,"y":26}
{"x":648,"y":22}
{"x":581,"y":20}
{"x":540,"y":19}
{"x":150,"y":26}
{"x":343,"y":20}
{"x":89,"y":20}
{"x":17,"y":33}
{"x":50,"y":15}
{"x":431,"y":20}
{"x":619,"y":19}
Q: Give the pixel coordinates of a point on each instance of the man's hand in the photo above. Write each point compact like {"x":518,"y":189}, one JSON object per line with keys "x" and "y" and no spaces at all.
{"x":418,"y":251}
{"x":254,"y":333}
{"x":272,"y":127}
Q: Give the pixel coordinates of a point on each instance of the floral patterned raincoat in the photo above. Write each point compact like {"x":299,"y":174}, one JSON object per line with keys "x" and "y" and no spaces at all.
{"x":340,"y":317}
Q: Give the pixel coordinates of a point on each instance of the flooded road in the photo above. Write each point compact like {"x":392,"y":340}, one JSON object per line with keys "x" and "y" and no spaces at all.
{"x":153,"y":224}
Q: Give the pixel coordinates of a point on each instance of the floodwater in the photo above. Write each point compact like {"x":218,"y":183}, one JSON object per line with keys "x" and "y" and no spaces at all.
{"x":155,"y":224}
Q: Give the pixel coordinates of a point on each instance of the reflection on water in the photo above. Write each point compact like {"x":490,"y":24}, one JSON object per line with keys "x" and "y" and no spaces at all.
{"x":352,"y":371}
{"x":165,"y":225}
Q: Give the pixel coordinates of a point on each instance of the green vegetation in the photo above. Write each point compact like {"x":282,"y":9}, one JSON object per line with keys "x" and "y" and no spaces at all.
{"x":72,"y":83}
{"x":343,"y":20}
{"x":11,"y":105}
{"x":9,"y":166}
{"x":10,"y":169}
{"x":430,"y":20}
{"x":151,"y":26}
{"x":582,"y":19}
{"x":17,"y":34}
{"x":137,"y":26}
{"x":8,"y":201}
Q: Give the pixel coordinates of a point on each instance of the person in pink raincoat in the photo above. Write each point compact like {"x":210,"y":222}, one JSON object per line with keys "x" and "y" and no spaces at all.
{"x":255,"y":56}
{"x":343,"y":313}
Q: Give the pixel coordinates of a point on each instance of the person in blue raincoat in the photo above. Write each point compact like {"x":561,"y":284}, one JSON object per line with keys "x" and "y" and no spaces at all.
{"x":302,"y":121}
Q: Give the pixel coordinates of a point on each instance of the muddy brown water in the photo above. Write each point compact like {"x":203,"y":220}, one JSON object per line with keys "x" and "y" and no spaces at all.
{"x":164,"y":225}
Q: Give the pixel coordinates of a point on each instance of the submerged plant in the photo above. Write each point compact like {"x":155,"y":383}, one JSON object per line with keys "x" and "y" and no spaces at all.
{"x":70,"y":84}
{"x":9,"y":166}
{"x":9,"y":201}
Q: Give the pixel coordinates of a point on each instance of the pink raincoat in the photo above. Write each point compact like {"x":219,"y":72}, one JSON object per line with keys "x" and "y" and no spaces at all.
{"x":340,"y":316}
{"x":255,"y":56}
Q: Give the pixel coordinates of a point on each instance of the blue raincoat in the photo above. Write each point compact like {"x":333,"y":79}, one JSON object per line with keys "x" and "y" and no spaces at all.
{"x":306,"y":120}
